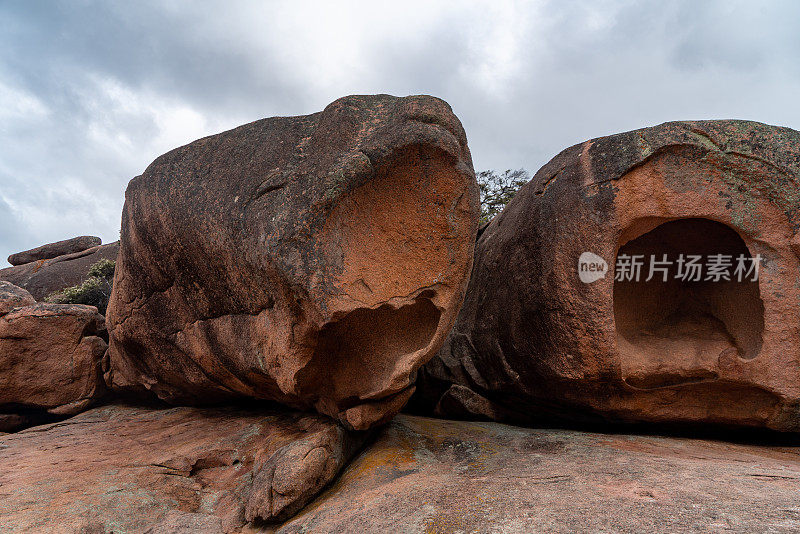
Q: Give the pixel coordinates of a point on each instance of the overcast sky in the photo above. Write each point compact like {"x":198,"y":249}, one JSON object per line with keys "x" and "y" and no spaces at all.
{"x":92,"y":92}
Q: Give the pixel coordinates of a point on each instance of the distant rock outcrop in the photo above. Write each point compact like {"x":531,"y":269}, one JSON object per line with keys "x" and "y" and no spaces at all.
{"x":51,"y":357}
{"x":546,"y":331}
{"x":124,"y":468}
{"x":316,"y":260}
{"x":43,"y":277}
{"x":53,"y":250}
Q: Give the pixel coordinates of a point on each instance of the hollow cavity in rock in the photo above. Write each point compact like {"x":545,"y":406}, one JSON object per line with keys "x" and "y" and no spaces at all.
{"x":364,"y":351}
{"x":674,"y":331}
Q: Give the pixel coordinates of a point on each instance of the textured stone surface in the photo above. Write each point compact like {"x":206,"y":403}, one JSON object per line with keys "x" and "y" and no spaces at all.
{"x":12,"y":297}
{"x":51,"y":358}
{"x":426,"y":475}
{"x":53,"y":250}
{"x":533,"y":341}
{"x":43,"y":277}
{"x":315,"y":260}
{"x":23,"y":408}
{"x":127,"y":469}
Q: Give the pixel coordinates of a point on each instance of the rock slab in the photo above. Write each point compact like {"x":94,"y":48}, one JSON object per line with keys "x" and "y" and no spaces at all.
{"x":533,"y":340}
{"x":427,"y":475}
{"x":318,"y":260}
{"x":43,"y":277}
{"x":51,"y":359}
{"x":53,"y":250}
{"x":127,"y":469}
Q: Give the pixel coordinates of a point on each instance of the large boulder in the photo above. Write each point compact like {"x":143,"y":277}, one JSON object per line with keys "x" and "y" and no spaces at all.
{"x":425,"y":475}
{"x":122,"y":468}
{"x":53,"y":250}
{"x":315,"y":260}
{"x":44,"y":277}
{"x":51,"y":357}
{"x":555,"y":325}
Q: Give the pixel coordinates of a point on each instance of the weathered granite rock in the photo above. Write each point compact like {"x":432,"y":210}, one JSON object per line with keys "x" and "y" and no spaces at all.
{"x":12,"y":297}
{"x":128,"y":469}
{"x":51,"y":358}
{"x":43,"y":277}
{"x":426,"y":475}
{"x":532,"y":340}
{"x":315,"y":260}
{"x":53,"y":250}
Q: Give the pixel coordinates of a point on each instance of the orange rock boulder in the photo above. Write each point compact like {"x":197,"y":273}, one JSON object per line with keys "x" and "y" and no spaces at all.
{"x":317,"y":260}
{"x":646,"y":276}
{"x":51,"y":357}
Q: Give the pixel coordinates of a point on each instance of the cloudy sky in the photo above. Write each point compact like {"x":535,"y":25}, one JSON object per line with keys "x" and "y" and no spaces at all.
{"x":92,"y":92}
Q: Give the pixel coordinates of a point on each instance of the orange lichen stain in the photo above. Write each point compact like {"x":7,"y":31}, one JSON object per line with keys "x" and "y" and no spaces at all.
{"x":386,"y":454}
{"x":442,"y":430}
{"x":457,"y":519}
{"x":442,"y":524}
{"x":381,"y":456}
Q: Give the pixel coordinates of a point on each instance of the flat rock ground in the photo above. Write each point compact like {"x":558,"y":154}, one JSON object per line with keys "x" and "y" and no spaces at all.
{"x":123,"y":469}
{"x":428,"y":475}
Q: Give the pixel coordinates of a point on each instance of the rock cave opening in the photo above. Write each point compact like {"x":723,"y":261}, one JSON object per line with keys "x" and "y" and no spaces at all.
{"x":674,"y":331}
{"x":372,"y":340}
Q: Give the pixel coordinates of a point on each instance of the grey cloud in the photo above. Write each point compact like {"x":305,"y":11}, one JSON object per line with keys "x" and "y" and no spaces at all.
{"x":13,"y":236}
{"x":114,"y":79}
{"x":144,"y":46}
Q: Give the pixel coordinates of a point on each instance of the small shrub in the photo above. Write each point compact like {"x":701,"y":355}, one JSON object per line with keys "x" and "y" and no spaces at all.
{"x":94,"y":291}
{"x":103,"y":269}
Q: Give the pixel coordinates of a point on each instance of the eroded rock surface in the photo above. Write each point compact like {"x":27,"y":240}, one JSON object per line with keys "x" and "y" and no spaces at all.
{"x":12,"y":297}
{"x":51,"y":357}
{"x":426,"y":475}
{"x":315,"y":260}
{"x":127,"y":469}
{"x":43,"y":277}
{"x":52,"y":250}
{"x":532,"y":340}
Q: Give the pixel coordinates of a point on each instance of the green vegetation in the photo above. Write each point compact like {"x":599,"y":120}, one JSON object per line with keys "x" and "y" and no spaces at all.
{"x":94,"y":291}
{"x":102,"y":269}
{"x":498,"y":189}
